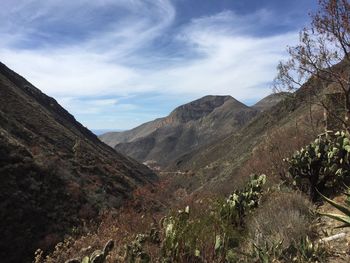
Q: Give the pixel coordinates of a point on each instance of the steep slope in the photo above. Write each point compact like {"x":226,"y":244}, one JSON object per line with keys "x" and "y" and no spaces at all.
{"x":222,"y":160}
{"x":270,"y":101}
{"x":53,"y":170}
{"x":187,"y":127}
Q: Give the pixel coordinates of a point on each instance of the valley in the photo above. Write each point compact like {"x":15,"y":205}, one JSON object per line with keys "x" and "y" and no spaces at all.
{"x":215,"y":180}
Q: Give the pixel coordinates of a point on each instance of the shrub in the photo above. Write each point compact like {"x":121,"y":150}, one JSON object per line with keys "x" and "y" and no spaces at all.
{"x":282,"y":216}
{"x":306,"y":250}
{"x":210,"y":232}
{"x":98,"y":256}
{"x":186,"y":237}
{"x":324,"y":164}
{"x":267,"y":157}
{"x":241,"y":201}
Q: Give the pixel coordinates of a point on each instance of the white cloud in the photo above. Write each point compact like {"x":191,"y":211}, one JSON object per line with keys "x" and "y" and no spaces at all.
{"x":95,"y":106}
{"x":223,"y":57}
{"x":236,"y":65}
{"x":70,"y":73}
{"x":228,"y":61}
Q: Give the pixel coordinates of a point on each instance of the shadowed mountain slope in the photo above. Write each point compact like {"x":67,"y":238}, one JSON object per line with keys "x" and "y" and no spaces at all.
{"x":53,"y":170}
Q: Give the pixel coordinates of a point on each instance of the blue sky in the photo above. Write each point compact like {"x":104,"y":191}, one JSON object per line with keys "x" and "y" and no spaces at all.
{"x":115,"y":64}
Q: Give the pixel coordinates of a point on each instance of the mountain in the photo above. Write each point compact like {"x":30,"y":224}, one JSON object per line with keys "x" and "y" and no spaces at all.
{"x":221,"y":162}
{"x":53,"y":170}
{"x":101,"y":131}
{"x":269,"y":101}
{"x":187,"y":127}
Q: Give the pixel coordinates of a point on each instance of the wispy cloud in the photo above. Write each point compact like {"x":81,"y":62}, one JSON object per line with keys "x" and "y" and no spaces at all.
{"x":117,"y":55}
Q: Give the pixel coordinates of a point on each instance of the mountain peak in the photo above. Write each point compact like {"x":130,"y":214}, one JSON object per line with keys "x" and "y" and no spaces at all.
{"x":199,"y":108}
{"x":188,"y":126}
{"x":269,"y":101}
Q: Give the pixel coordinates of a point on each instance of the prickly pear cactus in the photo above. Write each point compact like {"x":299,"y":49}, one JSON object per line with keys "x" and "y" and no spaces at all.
{"x":241,"y":201}
{"x":174,"y":228}
{"x":74,"y":260}
{"x":98,"y":256}
{"x":322,"y":165}
{"x":134,"y":252}
{"x":108,"y":247}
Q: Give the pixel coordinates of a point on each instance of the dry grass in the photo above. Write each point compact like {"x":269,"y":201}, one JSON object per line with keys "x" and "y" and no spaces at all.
{"x":268,"y":156}
{"x":283,"y":216}
{"x":148,"y":205}
{"x":120,"y":227}
{"x":137,"y":217}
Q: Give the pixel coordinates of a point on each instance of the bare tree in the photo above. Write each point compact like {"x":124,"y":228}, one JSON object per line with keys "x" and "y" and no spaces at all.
{"x":322,"y":57}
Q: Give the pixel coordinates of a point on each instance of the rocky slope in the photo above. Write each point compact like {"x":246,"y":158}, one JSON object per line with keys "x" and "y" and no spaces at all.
{"x":186,"y":128}
{"x":53,"y":170}
{"x":220,"y":163}
{"x":269,"y":101}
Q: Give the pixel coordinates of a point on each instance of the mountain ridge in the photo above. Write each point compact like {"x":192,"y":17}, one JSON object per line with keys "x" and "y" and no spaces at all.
{"x":175,"y":116}
{"x":226,"y":161}
{"x":188,"y":126}
{"x":53,"y":170}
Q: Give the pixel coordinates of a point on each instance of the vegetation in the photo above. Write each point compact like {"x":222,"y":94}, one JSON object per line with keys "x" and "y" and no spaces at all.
{"x":211,"y":231}
{"x":284,"y":215}
{"x":224,"y":232}
{"x":183,"y":236}
{"x":323,"y":165}
{"x":322,"y":46}
{"x":345,"y":209}
{"x":240,"y":202}
{"x":302,"y":251}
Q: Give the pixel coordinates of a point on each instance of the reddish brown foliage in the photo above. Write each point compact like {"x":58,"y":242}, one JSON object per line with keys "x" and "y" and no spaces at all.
{"x":267,"y":157}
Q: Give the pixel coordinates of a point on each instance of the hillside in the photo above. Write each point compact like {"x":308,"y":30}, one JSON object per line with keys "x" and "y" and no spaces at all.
{"x":186,"y":128}
{"x":53,"y":170}
{"x":223,"y":160}
{"x":269,"y":101}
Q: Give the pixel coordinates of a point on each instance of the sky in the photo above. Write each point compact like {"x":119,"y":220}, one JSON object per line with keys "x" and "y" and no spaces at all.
{"x":115,"y":64}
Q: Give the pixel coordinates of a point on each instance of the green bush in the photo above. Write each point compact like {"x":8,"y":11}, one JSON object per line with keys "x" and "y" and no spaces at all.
{"x":322,"y":165}
{"x":241,"y":201}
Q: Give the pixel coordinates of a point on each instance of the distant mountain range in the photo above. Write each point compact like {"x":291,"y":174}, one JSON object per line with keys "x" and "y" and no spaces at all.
{"x":188,"y":127}
{"x":103,"y":131}
{"x":54,"y":172}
